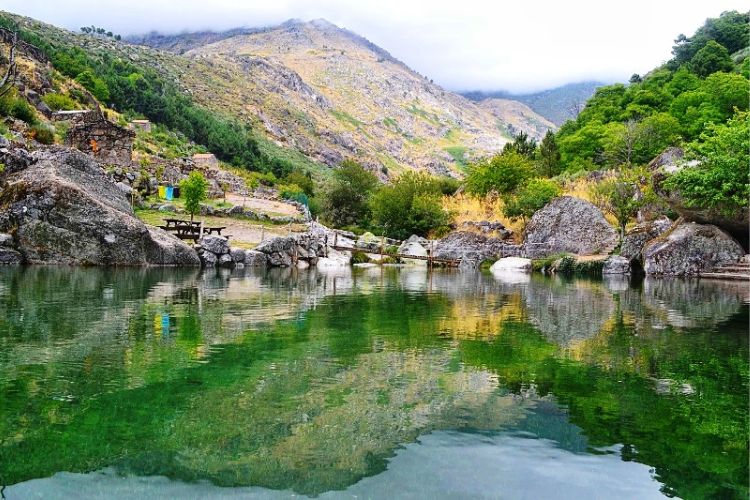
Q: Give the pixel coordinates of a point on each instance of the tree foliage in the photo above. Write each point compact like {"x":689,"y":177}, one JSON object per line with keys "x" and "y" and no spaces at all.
{"x":411,"y":204}
{"x":530,"y":197}
{"x":722,"y":179}
{"x":501,"y":174}
{"x":194,"y":190}
{"x":347,"y":200}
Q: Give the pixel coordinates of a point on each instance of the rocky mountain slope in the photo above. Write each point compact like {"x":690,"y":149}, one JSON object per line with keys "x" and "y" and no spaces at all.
{"x":557,"y":105}
{"x":332,"y":94}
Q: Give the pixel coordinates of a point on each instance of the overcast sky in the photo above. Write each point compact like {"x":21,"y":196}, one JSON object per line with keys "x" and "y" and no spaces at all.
{"x":518,"y":45}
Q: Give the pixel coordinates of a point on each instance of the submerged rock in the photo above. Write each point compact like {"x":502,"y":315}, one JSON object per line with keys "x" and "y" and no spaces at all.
{"x":690,"y":249}
{"x":568,"y":224}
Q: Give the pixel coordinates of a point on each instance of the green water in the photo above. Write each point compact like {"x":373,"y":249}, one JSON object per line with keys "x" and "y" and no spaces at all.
{"x":369,"y":383}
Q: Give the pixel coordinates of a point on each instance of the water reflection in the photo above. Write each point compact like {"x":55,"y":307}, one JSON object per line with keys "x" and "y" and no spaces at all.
{"x":311,"y":381}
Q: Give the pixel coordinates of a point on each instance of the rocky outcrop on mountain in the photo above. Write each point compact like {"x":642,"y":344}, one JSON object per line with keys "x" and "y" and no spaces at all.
{"x":690,"y":249}
{"x":472,"y":248}
{"x":568,"y":224}
{"x":636,"y":238}
{"x":61,"y":208}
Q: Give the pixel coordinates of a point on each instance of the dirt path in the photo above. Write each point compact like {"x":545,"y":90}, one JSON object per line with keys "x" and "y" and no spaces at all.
{"x":270,"y":207}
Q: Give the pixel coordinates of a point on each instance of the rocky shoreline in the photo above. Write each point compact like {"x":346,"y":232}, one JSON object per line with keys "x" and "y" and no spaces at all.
{"x":59,"y":206}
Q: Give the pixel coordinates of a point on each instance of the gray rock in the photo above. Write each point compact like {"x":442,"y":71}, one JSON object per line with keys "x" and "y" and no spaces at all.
{"x":616,"y":264}
{"x":235,"y":210}
{"x":568,"y":224}
{"x":226,"y":260}
{"x":6,"y":240}
{"x":127,"y":190}
{"x":690,"y":249}
{"x":472,"y":248}
{"x":238,"y":254}
{"x":167,"y":208}
{"x":214,"y":244}
{"x":253,"y":258}
{"x":66,"y":210}
{"x":209,"y":259}
{"x":636,"y":238}
{"x":8,"y":256}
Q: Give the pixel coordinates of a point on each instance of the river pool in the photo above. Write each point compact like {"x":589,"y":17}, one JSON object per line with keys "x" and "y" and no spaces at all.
{"x":369,"y":383}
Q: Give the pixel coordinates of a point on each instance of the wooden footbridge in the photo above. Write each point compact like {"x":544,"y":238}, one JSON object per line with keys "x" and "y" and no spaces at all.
{"x":429,"y":258}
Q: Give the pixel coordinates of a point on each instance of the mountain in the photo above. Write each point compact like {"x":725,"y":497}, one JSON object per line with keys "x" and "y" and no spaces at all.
{"x":556,"y":105}
{"x":332,"y":94}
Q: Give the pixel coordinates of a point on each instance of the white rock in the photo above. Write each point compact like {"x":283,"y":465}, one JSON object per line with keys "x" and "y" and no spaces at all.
{"x":334,"y":259}
{"x":517,"y":264}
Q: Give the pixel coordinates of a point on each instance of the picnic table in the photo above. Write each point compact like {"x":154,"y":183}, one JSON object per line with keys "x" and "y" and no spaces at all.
{"x":187,"y":230}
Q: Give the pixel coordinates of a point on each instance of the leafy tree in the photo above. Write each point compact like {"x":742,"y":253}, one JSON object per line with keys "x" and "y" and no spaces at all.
{"x":731,"y":30}
{"x":721,"y":181}
{"x":502,"y":174}
{"x":303,"y":180}
{"x":347,"y":201}
{"x":530,"y":197}
{"x":411,"y":204}
{"x":94,"y":84}
{"x":711,"y":58}
{"x":194,"y":190}
{"x":549,"y":155}
{"x":622,"y":196}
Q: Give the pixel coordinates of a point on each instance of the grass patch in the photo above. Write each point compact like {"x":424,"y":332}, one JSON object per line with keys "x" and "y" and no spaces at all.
{"x":458,"y":153}
{"x":422,"y":113}
{"x":345,"y":117}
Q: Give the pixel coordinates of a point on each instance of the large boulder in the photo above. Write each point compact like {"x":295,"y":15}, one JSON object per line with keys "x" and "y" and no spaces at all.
{"x":472,"y":248}
{"x":568,"y":224}
{"x":335,"y":259}
{"x":690,"y":249}
{"x":254,"y":258}
{"x":63,"y":209}
{"x":10,"y":257}
{"x":415,"y":249}
{"x":636,"y":238}
{"x":278,"y":250}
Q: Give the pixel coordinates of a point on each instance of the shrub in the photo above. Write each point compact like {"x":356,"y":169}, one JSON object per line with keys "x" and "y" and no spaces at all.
{"x":527,"y":199}
{"x":412,"y":204}
{"x":502,"y":174}
{"x":11,"y":104}
{"x":42,"y":134}
{"x":58,"y":102}
{"x":359,"y":257}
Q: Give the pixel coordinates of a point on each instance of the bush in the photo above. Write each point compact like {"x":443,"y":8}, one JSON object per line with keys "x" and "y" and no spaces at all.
{"x":42,"y":134}
{"x":11,"y":104}
{"x":412,"y":204}
{"x":302,"y":180}
{"x":359,"y":257}
{"x":527,"y":199}
{"x":58,"y":102}
{"x":502,"y":174}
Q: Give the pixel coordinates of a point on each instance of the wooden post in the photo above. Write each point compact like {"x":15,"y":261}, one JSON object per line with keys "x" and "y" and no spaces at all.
{"x":335,"y":240}
{"x":382,"y":243}
{"x":262,"y":233}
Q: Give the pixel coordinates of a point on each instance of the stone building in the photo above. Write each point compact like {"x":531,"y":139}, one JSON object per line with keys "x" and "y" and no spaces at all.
{"x":106,"y":141}
{"x":144,"y":125}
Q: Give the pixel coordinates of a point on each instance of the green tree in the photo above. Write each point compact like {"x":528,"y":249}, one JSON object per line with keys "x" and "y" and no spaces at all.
{"x":529,"y":198}
{"x":522,"y":144}
{"x":501,"y":174}
{"x":721,"y":181}
{"x":411,"y":204}
{"x":622,"y":196}
{"x":194,"y":190}
{"x":549,"y":155}
{"x":711,"y":58}
{"x":347,"y":201}
{"x":303,"y":180}
{"x":94,"y":84}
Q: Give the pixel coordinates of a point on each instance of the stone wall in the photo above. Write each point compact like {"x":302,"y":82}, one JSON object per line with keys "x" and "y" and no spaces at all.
{"x":107,"y":142}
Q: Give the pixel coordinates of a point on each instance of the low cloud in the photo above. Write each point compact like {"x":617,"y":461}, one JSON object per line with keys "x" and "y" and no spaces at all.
{"x":474,"y":44}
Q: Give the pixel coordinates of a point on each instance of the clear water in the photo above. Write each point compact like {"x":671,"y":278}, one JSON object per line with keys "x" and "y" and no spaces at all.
{"x":369,"y":383}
